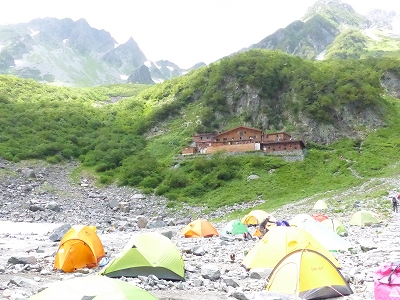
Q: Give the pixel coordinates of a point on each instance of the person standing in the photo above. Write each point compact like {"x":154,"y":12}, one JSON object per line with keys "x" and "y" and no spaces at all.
{"x":394,"y":204}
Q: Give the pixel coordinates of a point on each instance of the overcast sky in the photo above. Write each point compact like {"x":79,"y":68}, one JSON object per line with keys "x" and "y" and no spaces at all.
{"x":182,"y":31}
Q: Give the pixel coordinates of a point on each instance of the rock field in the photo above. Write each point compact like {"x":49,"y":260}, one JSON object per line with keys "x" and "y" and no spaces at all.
{"x":37,"y":198}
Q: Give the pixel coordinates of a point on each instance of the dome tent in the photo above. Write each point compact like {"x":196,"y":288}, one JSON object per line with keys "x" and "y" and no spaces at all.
{"x":329,"y":239}
{"x":80,"y":247}
{"x":235,"y":227}
{"x":255,"y":217}
{"x":363,"y":218}
{"x":199,"y":228}
{"x":336,"y":226}
{"x":309,"y":275}
{"x":278,"y":242}
{"x":92,"y":287}
{"x":320,"y":204}
{"x":145,"y":254}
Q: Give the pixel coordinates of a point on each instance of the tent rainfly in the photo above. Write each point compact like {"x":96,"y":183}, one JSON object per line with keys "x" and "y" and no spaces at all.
{"x":199,"y":228}
{"x":145,"y":254}
{"x":278,"y":242}
{"x":80,"y":247}
{"x":307,"y":274}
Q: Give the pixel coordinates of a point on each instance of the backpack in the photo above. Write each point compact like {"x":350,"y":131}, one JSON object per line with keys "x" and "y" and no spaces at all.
{"x":387,"y":282}
{"x":394,"y":200}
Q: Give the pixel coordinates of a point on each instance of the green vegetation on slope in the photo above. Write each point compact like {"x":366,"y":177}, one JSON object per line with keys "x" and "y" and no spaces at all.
{"x":135,"y":141}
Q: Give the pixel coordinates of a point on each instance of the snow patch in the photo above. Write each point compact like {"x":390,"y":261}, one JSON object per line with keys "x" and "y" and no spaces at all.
{"x":157,"y":80}
{"x":147,"y":64}
{"x":1,"y":47}
{"x":371,"y":34}
{"x":65,"y":41}
{"x":158,"y":67}
{"x":26,"y":228}
{"x":33,"y":33}
{"x":116,"y":45}
{"x":123,"y":76}
{"x":170,"y":68}
{"x":20,"y":62}
{"x":321,"y":56}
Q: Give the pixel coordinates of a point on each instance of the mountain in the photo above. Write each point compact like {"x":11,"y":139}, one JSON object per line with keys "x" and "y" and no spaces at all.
{"x":333,"y":29}
{"x":67,"y":52}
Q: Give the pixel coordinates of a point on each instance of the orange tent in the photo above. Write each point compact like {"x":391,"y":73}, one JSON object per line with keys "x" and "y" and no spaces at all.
{"x":199,"y":228}
{"x":80,"y":247}
{"x":319,"y":217}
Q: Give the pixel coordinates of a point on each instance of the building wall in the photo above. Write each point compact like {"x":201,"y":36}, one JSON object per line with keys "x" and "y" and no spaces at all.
{"x":282,"y":146}
{"x":278,"y":136}
{"x":189,"y":151}
{"x":234,"y":148}
{"x":239,"y":134}
{"x":203,"y":137}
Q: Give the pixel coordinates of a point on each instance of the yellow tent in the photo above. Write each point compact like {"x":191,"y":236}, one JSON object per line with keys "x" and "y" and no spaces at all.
{"x":199,"y":228}
{"x":320,"y":204}
{"x":80,"y":247}
{"x":278,"y":242}
{"x":255,"y":217}
{"x":309,"y":275}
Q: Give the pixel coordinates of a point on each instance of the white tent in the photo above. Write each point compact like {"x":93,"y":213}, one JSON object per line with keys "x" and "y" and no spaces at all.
{"x":329,"y":239}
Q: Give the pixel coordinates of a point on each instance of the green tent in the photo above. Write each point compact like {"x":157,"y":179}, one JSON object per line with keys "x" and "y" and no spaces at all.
{"x":336,"y":226}
{"x":92,"y":287}
{"x":145,"y":254}
{"x":364,"y":217}
{"x":235,"y":227}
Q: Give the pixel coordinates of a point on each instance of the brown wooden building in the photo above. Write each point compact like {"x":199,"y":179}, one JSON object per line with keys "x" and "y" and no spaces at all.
{"x":238,"y":135}
{"x":243,"y":139}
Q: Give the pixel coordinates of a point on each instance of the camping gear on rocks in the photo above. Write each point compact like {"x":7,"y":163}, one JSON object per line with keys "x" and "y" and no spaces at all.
{"x":145,"y":254}
{"x":387,"y":281}
{"x":199,"y":228}
{"x":92,"y":287}
{"x":80,"y":247}
{"x":308,"y":274}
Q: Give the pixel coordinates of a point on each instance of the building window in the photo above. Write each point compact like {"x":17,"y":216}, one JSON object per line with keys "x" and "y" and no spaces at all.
{"x":224,"y":139}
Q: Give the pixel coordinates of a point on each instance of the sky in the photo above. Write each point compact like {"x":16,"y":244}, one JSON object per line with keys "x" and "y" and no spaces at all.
{"x":184,"y":32}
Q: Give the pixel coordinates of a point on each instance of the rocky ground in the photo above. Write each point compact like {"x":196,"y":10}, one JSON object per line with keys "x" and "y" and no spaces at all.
{"x":37,"y":198}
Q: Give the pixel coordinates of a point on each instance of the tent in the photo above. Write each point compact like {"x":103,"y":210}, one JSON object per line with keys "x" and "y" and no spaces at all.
{"x":329,"y":239}
{"x":278,"y":242}
{"x":320,"y":204}
{"x":299,"y":218}
{"x":235,"y":227}
{"x":364,"y":217}
{"x":307,"y":274}
{"x":145,"y":254}
{"x":199,"y":228}
{"x":92,"y":287}
{"x":319,"y":217}
{"x":336,"y":226}
{"x":255,"y":217}
{"x":80,"y":247}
